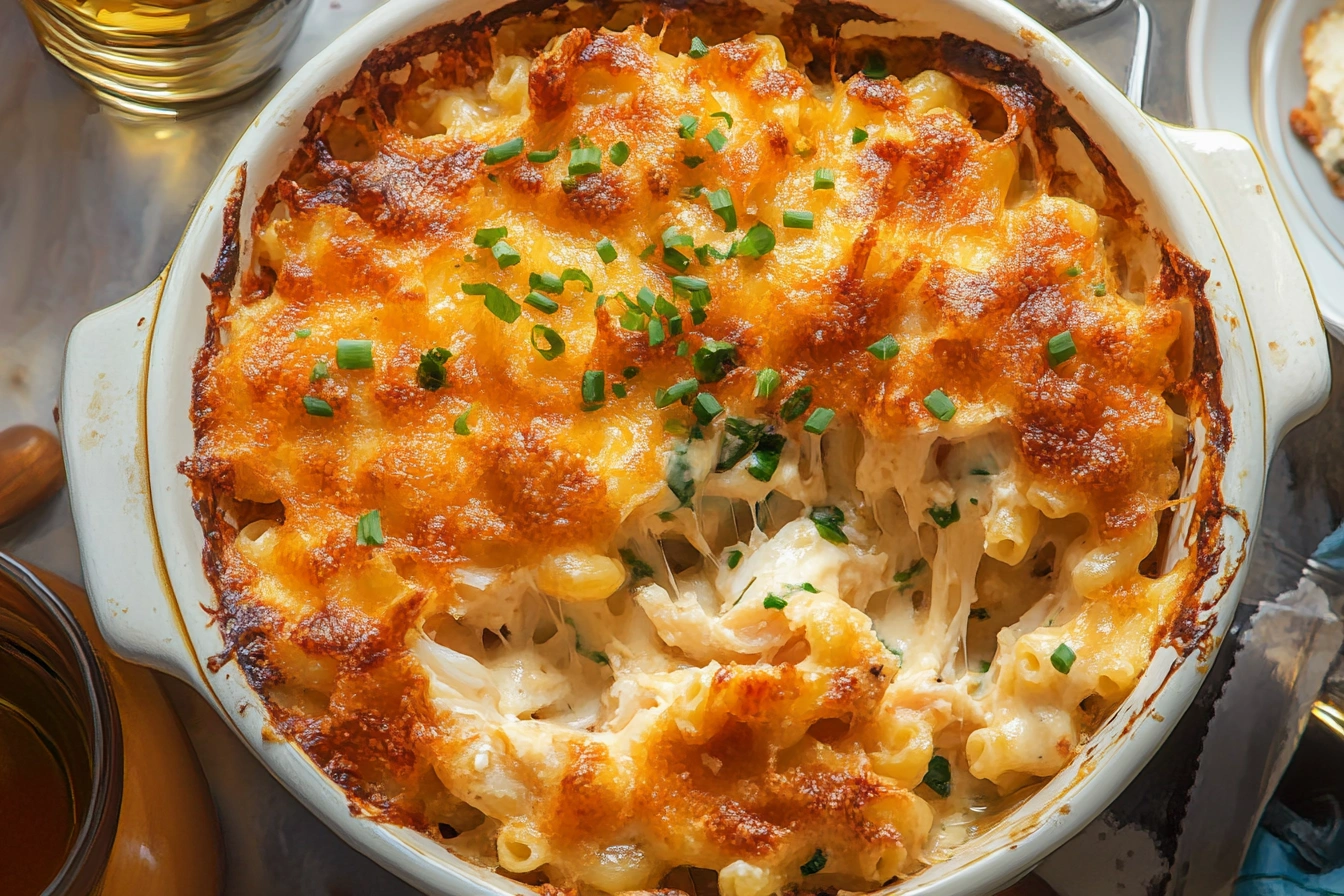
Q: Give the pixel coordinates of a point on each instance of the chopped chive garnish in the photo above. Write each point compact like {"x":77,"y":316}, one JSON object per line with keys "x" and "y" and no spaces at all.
{"x":798,"y":220}
{"x":688,"y":285}
{"x":823,"y":179}
{"x":1062,"y":659}
{"x":648,"y":250}
{"x":814,"y":864}
{"x":577,"y":276}
{"x":692,"y":192}
{"x":541,"y":302}
{"x":682,"y":348}
{"x":984,"y":666}
{"x":673,"y":238}
{"x":875,"y":67}
{"x":740,"y":437}
{"x":497,"y":301}
{"x":1073,"y":271}
{"x":689,"y":124}
{"x":504,"y":151}
{"x":674,"y":393}
{"x":698,"y":49}
{"x":542,"y":155}
{"x":506,"y":255}
{"x":594,"y":387}
{"x":774,"y":602}
{"x":818,"y":420}
{"x":727,"y":119}
{"x":975,"y":502}
{"x":692,"y":161}
{"x":675,"y":260}
{"x":460,"y":422}
{"x":1060,"y":348}
{"x":680,"y":475}
{"x":606,"y":251}
{"x":828,"y":521}
{"x":618,"y":389}
{"x":634,"y":320}
{"x":555,"y":346}
{"x":978,"y":471}
{"x":764,"y":460}
{"x":721,"y":203}
{"x":794,"y":406}
{"x":544,"y":282}
{"x":369,"y":531}
{"x":656,"y":332}
{"x":759,"y":240}
{"x":706,"y":407}
{"x":939,"y":405}
{"x":979,"y":613}
{"x":910,"y":571}
{"x":319,"y":372}
{"x":734,"y":558}
{"x":716,"y":140}
{"x":569,"y":184}
{"x":487,"y":236}
{"x":469,"y":258}
{"x":767,"y":381}
{"x":587,"y":160}
{"x":316,"y":406}
{"x":630,"y":372}
{"x":1098,"y":289}
{"x":595,"y":656}
{"x":638,"y":568}
{"x":945,"y":516}
{"x":303,"y":334}
{"x":354,"y":354}
{"x":619,"y":152}
{"x":939,"y":776}
{"x":713,"y":360}
{"x":646,"y":300}
{"x":885,"y":348}
{"x":857,"y":136}
{"x":431,"y":374}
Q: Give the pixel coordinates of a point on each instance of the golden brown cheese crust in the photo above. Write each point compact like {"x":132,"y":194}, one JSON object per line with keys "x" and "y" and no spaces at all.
{"x":915,"y":241}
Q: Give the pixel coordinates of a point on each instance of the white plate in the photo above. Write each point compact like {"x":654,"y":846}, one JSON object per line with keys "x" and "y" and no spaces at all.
{"x":1246,"y":75}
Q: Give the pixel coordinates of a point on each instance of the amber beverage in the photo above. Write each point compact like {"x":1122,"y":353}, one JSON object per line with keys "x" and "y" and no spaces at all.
{"x":162,"y":58}
{"x":99,"y":790}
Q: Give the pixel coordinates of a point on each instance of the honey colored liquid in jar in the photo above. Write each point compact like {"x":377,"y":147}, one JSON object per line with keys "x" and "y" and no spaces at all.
{"x":44,"y":772}
{"x":37,"y":805}
{"x":164,"y":18}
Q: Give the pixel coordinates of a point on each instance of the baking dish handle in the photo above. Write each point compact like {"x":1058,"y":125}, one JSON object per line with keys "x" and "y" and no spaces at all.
{"x":1292,"y":349}
{"x":101,"y":423}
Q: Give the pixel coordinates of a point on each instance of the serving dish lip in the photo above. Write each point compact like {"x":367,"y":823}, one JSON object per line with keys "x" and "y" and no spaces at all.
{"x":1033,"y":843}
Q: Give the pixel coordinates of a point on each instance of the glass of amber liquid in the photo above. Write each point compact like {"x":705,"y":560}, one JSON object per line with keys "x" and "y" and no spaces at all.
{"x":165,"y":58}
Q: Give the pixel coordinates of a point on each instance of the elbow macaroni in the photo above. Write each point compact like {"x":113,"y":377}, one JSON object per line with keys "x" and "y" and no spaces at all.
{"x":600,"y":634}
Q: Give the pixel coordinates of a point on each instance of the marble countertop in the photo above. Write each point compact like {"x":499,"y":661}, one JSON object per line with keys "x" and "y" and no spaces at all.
{"x":91,"y":207}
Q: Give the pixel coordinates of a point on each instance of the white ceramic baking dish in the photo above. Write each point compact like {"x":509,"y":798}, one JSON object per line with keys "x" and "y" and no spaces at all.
{"x":128,"y":384}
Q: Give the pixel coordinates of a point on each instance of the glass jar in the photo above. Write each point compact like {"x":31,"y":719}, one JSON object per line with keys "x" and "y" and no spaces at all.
{"x":100,"y":791}
{"x":163,"y":58}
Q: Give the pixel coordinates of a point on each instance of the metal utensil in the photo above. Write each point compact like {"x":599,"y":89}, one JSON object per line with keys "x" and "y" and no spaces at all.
{"x":1060,"y":14}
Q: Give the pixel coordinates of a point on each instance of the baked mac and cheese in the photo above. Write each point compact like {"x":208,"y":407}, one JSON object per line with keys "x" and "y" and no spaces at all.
{"x":646,"y":439}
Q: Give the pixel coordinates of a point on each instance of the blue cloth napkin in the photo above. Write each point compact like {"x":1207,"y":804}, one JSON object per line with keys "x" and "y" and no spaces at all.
{"x":1272,"y":868}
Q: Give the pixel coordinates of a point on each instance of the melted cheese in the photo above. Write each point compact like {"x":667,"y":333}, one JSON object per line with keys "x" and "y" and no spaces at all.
{"x":581,"y":647}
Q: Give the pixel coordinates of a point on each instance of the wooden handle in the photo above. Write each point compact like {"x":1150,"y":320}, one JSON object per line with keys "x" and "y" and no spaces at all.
{"x":31,"y":470}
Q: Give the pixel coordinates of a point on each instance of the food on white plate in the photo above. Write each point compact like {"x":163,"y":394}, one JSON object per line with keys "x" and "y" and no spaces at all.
{"x":631,"y":440}
{"x":1318,"y":121}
